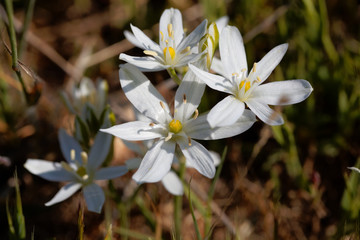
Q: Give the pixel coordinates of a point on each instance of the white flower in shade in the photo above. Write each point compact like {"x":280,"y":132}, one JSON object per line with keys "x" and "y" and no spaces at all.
{"x":80,"y":170}
{"x":174,"y":48}
{"x":247,"y":88}
{"x":171,"y":130}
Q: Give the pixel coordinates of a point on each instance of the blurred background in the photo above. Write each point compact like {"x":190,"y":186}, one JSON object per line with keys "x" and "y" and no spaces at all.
{"x":284,"y":182}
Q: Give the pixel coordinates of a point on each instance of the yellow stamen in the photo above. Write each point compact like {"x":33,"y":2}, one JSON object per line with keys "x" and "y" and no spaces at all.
{"x":66,"y":166}
{"x":196,"y":114}
{"x":189,"y":140}
{"x":84,"y":157}
{"x":162,"y":36}
{"x":162,"y":105}
{"x":171,"y":51}
{"x":247,"y":84}
{"x":175,"y":126}
{"x":72,"y":154}
{"x":254,"y":67}
{"x":258,"y":79}
{"x":243,"y":70}
{"x":185,"y":50}
{"x":235,"y":74}
{"x":170,"y":29}
{"x":150,"y":53}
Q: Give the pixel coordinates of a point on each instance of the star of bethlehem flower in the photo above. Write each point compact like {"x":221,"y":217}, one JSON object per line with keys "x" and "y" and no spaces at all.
{"x":172,"y":131}
{"x":80,"y":170}
{"x":174,"y":48}
{"x":247,"y":88}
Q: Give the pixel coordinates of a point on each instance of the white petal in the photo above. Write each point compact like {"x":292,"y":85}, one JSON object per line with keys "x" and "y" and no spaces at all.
{"x":68,"y":143}
{"x":264,"y":112}
{"x":145,"y":64}
{"x":185,"y":60}
{"x":131,"y":38}
{"x":110,"y":172}
{"x":226,"y":112}
{"x":171,"y":16}
{"x":194,"y":37}
{"x":221,"y":23}
{"x":172,"y":184}
{"x":200,"y":128}
{"x":64,"y":193}
{"x":145,"y":40}
{"x":283,"y":92}
{"x":99,"y":150}
{"x":193,"y":88}
{"x":94,"y":197}
{"x":198,"y":157}
{"x":354,"y":169}
{"x":134,"y":131}
{"x":216,"y":158}
{"x":214,"y":81}
{"x":232,"y":51}
{"x":133,"y":146}
{"x":268,"y":63}
{"x":156,"y":163}
{"x":51,"y":171}
{"x":142,"y":94}
{"x":218,"y":67}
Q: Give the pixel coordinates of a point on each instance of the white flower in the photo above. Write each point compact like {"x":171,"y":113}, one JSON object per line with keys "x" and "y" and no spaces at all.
{"x":247,"y":88}
{"x":170,"y":131}
{"x":80,"y":170}
{"x":173,"y":50}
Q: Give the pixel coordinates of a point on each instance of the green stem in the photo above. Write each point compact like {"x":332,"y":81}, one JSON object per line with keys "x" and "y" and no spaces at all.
{"x":178,"y":199}
{"x":14,"y":53}
{"x":130,"y":233}
{"x":173,"y":75}
{"x":28,"y":16}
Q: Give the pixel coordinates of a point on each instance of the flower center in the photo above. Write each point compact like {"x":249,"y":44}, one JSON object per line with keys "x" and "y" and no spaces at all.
{"x":81,"y":171}
{"x":175,"y":126}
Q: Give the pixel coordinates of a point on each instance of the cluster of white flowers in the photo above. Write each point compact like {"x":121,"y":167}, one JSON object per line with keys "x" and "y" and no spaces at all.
{"x":171,"y":134}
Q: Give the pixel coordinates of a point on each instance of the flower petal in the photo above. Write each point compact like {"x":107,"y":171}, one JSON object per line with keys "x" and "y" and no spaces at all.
{"x":200,"y":128}
{"x":264,"y":112}
{"x":156,"y":163}
{"x":268,"y":63}
{"x":171,"y":16}
{"x":94,"y":197}
{"x":226,"y":112}
{"x":133,"y":163}
{"x":172,"y":184}
{"x":64,"y":193}
{"x":144,"y":40}
{"x":193,"y":89}
{"x":214,"y":81}
{"x":142,"y":94}
{"x":145,"y":64}
{"x":110,"y":172}
{"x":99,"y":150}
{"x":194,"y":37}
{"x":68,"y":143}
{"x":198,"y":157}
{"x":354,"y":169}
{"x":131,"y":38}
{"x":232,"y":51}
{"x":217,"y":66}
{"x":283,"y":92}
{"x":134,"y":131}
{"x":51,"y":171}
{"x":221,"y":23}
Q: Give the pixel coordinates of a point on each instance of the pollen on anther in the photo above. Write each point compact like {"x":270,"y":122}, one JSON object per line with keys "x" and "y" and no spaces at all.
{"x":189,"y":140}
{"x":150,"y":53}
{"x":196,"y":114}
{"x":162,"y":105}
{"x":243,"y":70}
{"x":235,"y":74}
{"x":162,"y":36}
{"x":258,"y":79}
{"x":185,"y":50}
{"x":184,"y":98}
{"x":254,"y":67}
{"x":169,"y":28}
{"x":152,"y":124}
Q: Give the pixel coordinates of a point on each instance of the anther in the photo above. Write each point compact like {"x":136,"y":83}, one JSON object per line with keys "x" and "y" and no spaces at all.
{"x":185,"y":50}
{"x":196,"y":114}
{"x":254,"y":67}
{"x":72,"y":154}
{"x":169,"y":28}
{"x":235,"y":74}
{"x":66,"y":166}
{"x":258,"y":79}
{"x":243,"y":70}
{"x":189,"y":140}
{"x":169,"y":136}
{"x":152,"y":124}
{"x":151,"y":53}
{"x":162,"y":36}
{"x":184,"y":98}
{"x":84,"y":157}
{"x":162,"y":105}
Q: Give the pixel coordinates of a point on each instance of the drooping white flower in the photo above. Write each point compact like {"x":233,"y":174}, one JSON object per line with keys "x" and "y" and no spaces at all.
{"x":174,"y":48}
{"x":80,"y":170}
{"x":248,"y":88}
{"x":171,"y":130}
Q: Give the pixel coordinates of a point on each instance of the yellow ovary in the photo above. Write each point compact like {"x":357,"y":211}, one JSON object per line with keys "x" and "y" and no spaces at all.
{"x":175,"y":126}
{"x":246,"y":83}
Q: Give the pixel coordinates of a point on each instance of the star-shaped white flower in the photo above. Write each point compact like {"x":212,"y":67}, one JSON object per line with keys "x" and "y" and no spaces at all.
{"x":248,"y":88}
{"x":171,"y":131}
{"x":173,"y":50}
{"x":80,"y":170}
